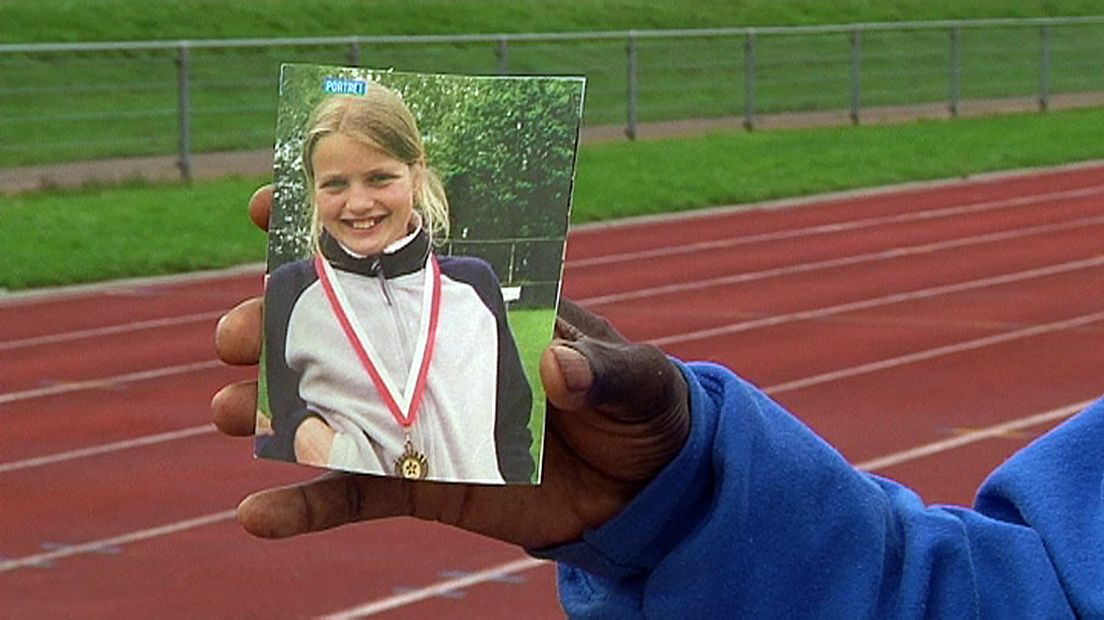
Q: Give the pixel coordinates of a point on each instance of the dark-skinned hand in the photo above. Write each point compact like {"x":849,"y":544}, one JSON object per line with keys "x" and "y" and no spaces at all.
{"x":617,"y":414}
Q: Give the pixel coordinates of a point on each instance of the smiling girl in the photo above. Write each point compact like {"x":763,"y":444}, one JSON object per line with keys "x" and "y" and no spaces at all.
{"x":380,"y":356}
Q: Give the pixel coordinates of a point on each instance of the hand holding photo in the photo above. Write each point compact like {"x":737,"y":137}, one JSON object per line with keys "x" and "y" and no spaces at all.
{"x":409,"y":298}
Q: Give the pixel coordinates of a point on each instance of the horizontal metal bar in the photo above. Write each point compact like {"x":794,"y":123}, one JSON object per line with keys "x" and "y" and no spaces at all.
{"x":128,"y":87}
{"x":221,"y":111}
{"x":87,"y":116}
{"x":168,"y":140}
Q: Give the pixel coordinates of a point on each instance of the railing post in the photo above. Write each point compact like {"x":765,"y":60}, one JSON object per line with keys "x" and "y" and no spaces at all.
{"x":354,"y":53}
{"x":502,"y":51}
{"x":630,"y":88}
{"x":856,"y":75}
{"x":513,"y":262}
{"x":183,"y":82}
{"x":1044,"y":69}
{"x":749,"y":81}
{"x":955,"y":70}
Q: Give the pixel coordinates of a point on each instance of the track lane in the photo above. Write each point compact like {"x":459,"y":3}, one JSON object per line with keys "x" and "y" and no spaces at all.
{"x":111,"y":414}
{"x":98,"y":358}
{"x":34,"y":316}
{"x":986,"y":435}
{"x":753,"y":310}
{"x":47,"y":361}
{"x":744,"y":253}
{"x":868,"y":334}
{"x":862,"y":418}
{"x":856,"y":336}
{"x":816,"y":399}
{"x":650,"y":233}
{"x":253,"y":577}
{"x":220,"y":458}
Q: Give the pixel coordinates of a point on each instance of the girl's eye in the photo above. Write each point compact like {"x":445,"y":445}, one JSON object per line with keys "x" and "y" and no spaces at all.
{"x":380,"y":178}
{"x":332,"y":184}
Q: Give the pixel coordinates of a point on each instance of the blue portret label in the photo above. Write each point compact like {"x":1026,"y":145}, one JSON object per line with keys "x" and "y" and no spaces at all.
{"x":342,"y":86}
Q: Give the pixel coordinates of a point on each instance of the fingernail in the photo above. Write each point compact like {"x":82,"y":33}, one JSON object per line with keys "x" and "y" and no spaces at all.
{"x":575,"y":368}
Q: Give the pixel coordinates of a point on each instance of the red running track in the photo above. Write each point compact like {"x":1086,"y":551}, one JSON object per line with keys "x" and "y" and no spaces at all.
{"x":942,"y":317}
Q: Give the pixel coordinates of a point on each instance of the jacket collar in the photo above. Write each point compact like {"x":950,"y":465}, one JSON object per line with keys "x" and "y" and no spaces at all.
{"x":405,"y":260}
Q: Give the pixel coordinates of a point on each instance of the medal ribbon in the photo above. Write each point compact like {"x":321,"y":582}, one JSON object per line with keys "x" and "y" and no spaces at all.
{"x":405,"y":419}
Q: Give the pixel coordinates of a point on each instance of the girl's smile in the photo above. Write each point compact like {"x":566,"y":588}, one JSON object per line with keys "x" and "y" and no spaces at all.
{"x":365,"y":198}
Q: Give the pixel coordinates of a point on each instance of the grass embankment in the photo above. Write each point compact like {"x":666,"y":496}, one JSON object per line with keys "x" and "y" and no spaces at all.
{"x":106,"y":233}
{"x":94,"y":234}
{"x":122,"y":20}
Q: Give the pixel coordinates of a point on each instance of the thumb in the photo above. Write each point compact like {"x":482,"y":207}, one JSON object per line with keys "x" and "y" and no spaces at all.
{"x":630,"y":382}
{"x":566,"y":376}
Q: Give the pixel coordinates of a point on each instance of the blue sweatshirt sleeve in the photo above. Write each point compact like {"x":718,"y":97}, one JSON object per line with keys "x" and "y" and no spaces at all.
{"x":758,"y":517}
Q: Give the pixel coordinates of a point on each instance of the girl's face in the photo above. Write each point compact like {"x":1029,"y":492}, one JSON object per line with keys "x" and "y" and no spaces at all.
{"x":364,"y":198}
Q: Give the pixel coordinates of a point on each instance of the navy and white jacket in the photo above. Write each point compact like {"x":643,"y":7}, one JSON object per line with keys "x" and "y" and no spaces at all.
{"x":757,"y":517}
{"x":472,"y":424}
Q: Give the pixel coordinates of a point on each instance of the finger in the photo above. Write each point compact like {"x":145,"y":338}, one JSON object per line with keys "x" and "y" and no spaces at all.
{"x":323,"y":503}
{"x":260,"y":206}
{"x":234,"y":408}
{"x":313,"y":441}
{"x":238,"y":334}
{"x":573,"y":321}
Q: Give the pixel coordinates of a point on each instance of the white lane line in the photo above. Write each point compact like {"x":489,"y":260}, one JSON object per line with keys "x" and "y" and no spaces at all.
{"x":990,"y":432}
{"x":857,"y":259}
{"x":437,"y":589}
{"x":969,"y":345}
{"x":835,"y":227}
{"x":126,"y":444}
{"x":895,"y":458}
{"x":731,"y":328}
{"x":110,"y":330}
{"x":102,"y":382}
{"x":126,"y":286}
{"x":875,"y":302}
{"x":117,"y":541}
{"x":779,"y":388}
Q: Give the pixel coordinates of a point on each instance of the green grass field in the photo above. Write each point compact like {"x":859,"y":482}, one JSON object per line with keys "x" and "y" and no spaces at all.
{"x":115,"y":20}
{"x":65,"y":237}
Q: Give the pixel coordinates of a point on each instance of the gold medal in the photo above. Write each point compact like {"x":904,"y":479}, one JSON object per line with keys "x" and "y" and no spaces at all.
{"x":411,"y":463}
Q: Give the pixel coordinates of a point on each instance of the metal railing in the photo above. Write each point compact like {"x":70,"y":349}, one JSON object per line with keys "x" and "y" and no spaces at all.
{"x":80,"y":101}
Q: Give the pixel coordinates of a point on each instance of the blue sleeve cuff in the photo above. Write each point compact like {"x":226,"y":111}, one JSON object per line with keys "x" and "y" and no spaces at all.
{"x":675,"y":496}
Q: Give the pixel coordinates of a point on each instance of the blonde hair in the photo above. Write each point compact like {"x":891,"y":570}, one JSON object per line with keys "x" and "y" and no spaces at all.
{"x":381,"y":120}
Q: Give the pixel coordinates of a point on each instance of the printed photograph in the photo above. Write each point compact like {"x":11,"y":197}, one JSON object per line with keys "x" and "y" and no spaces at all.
{"x":415,"y":256}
